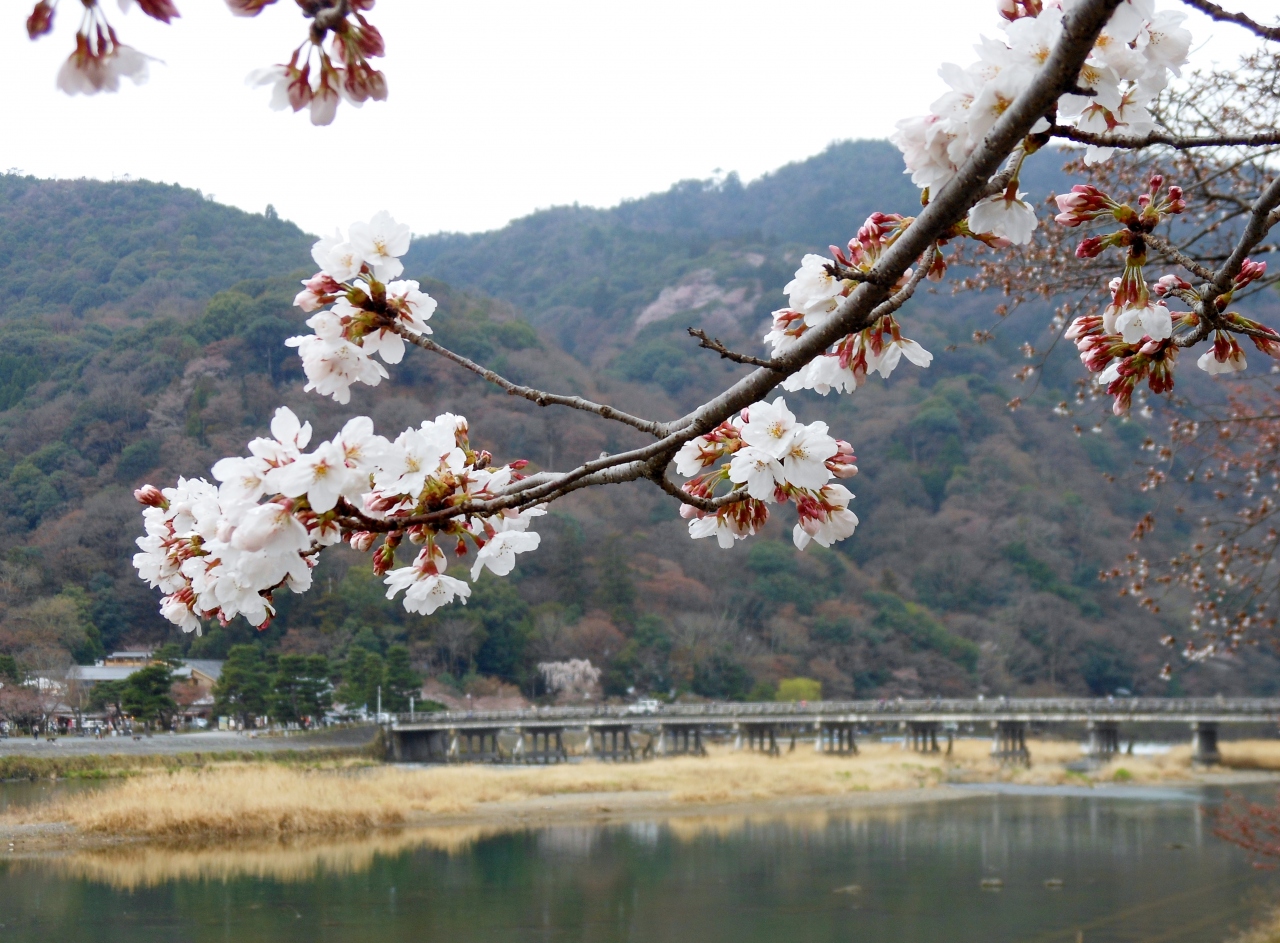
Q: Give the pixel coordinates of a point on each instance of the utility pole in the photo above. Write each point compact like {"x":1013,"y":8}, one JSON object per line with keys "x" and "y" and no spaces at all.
{"x":379,"y":702}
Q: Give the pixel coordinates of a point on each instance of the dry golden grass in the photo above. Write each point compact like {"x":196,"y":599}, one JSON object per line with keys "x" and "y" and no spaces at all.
{"x":241,"y":801}
{"x":132,"y":867}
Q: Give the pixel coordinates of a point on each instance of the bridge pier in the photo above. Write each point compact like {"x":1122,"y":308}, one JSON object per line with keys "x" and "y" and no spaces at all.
{"x":922,"y":735}
{"x":615,"y":742}
{"x":477,"y":744}
{"x":680,"y":740}
{"x":1204,"y":743}
{"x":1104,"y":739}
{"x":762,"y":737}
{"x":1009,"y":745}
{"x":541,"y":746}
{"x":837,"y":738}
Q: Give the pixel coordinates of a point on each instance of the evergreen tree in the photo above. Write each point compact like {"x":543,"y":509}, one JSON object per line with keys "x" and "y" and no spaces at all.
{"x":9,"y":670}
{"x":242,"y":690}
{"x":147,"y":695}
{"x":300,"y":688}
{"x":108,"y":696}
{"x":316,"y":694}
{"x":362,"y":674}
{"x":401,"y":681}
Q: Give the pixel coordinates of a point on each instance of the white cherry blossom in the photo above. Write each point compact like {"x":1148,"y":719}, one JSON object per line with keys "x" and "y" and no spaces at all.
{"x":758,"y":470}
{"x":1153,"y":321}
{"x":380,"y":242}
{"x":1011,"y":219}
{"x":771,"y":427}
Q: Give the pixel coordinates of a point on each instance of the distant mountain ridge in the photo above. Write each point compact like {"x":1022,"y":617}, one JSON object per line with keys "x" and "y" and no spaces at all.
{"x":142,"y":340}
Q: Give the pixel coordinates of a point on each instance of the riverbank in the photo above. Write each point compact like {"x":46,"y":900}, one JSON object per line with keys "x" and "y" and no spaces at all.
{"x":114,"y":757}
{"x":217,"y":802}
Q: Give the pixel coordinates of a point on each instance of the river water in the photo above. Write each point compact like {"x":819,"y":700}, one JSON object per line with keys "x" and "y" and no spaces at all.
{"x":1134,"y":865}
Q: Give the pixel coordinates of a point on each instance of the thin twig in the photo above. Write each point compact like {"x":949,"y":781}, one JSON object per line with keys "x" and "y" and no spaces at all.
{"x":1176,"y":141}
{"x":711,"y":343}
{"x":1173,"y":254}
{"x":540,"y":397}
{"x":702,"y":504}
{"x":1215,"y":12}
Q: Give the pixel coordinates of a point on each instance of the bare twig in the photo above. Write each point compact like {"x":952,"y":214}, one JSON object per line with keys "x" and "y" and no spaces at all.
{"x":1176,"y":141}
{"x":540,"y":397}
{"x":711,"y":343}
{"x":1213,"y":11}
{"x":1174,"y":254}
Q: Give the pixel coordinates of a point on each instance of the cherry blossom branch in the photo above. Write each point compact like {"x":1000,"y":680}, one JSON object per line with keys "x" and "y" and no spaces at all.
{"x":534,"y":396}
{"x":1215,"y":12}
{"x":1176,"y":141}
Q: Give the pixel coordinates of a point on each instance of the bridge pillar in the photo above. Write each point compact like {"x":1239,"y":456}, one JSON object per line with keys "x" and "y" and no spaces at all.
{"x":615,"y":742}
{"x":1009,"y":745}
{"x":1104,"y":739}
{"x":681,"y":739}
{"x":763,"y":737}
{"x":923,"y":735}
{"x":837,"y":738}
{"x":1204,"y":743}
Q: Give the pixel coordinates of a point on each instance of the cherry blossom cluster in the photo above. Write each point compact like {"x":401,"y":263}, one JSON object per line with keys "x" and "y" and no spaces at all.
{"x":1134,"y":338}
{"x":359,"y":309}
{"x":772,"y":459}
{"x":314,"y":78}
{"x":1128,"y":67}
{"x":319,"y":79}
{"x":218,"y":551}
{"x":813,"y":296}
{"x":99,"y":60}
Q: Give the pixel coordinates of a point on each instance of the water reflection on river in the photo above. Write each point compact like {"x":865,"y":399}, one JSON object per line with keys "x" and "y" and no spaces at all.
{"x":1131,"y":870}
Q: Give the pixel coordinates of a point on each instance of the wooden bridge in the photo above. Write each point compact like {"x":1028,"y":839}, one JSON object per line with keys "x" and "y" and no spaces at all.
{"x":537,"y":735}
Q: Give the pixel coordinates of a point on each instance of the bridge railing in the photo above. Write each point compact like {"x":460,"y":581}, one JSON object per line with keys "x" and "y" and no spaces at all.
{"x":995,"y":708}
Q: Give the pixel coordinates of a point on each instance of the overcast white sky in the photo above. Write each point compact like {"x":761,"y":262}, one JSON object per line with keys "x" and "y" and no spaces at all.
{"x":503,"y":107}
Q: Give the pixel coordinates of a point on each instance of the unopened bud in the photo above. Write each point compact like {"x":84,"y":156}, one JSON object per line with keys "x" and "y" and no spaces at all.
{"x":41,"y":19}
{"x":151,"y":496}
{"x":361,"y":540}
{"x":1090,"y":247}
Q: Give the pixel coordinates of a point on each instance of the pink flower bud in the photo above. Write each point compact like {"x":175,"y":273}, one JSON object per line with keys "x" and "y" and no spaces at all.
{"x":151,"y":496}
{"x":1090,"y":247}
{"x":361,"y":540}
{"x":1250,"y":271}
{"x":1168,"y":283}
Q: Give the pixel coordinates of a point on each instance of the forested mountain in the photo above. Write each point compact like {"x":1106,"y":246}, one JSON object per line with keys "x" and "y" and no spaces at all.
{"x":140,"y":334}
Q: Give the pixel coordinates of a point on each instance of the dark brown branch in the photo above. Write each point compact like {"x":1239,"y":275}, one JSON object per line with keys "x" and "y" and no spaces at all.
{"x":656,"y":429}
{"x":711,"y":343}
{"x":1215,"y":12}
{"x":702,"y":504}
{"x":1176,"y":141}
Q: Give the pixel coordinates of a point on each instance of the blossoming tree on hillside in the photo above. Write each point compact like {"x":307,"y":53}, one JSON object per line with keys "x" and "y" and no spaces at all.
{"x":1087,"y":71}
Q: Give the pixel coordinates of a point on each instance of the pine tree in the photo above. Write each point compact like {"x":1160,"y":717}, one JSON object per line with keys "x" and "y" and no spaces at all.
{"x":402,"y":682}
{"x":242,"y":690}
{"x":147,"y":695}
